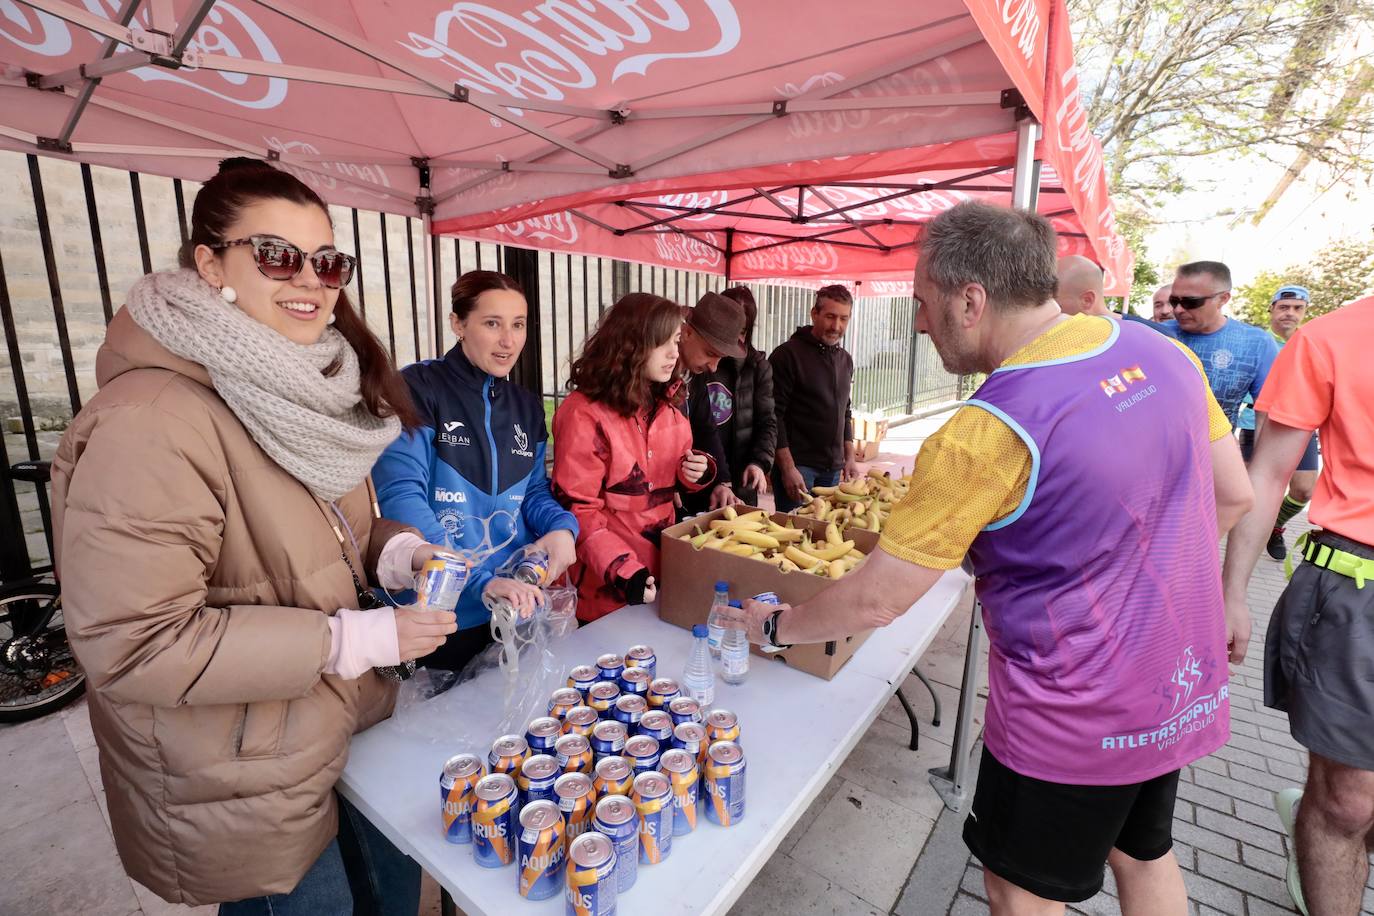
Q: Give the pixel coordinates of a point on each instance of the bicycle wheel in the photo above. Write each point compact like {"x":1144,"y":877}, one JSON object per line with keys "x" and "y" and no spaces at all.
{"x":38,"y":672}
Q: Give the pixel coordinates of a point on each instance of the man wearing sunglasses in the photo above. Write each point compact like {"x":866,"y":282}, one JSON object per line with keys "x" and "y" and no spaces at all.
{"x":1236,"y":356}
{"x":1287,"y":309}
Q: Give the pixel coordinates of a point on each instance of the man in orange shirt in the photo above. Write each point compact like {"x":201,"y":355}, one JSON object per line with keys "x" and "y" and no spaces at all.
{"x":1317,"y":654}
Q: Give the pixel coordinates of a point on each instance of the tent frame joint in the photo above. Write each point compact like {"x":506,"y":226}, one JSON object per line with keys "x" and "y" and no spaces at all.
{"x":35,"y":81}
{"x":621,"y":171}
{"x":618,"y":116}
{"x":1012,"y":98}
{"x":460,"y":93}
{"x":273,"y":155}
{"x":54,"y":145}
{"x":779,"y":108}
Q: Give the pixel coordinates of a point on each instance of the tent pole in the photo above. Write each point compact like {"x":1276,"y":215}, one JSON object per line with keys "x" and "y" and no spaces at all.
{"x":729,"y":252}
{"x":1025,"y":183}
{"x":431,"y":294}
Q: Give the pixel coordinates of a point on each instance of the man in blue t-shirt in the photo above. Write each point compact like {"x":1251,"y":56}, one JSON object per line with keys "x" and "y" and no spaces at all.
{"x":1235,"y":355}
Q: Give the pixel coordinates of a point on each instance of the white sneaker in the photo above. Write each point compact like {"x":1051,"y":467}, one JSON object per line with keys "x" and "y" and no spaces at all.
{"x":1286,"y":804}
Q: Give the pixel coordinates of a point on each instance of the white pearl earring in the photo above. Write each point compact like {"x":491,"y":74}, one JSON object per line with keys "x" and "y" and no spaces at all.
{"x":229,"y":294}
{"x":330,"y":319}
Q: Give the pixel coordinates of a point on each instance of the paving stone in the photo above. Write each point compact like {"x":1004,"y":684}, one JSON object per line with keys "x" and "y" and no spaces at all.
{"x":1260,"y":907}
{"x":1255,"y":883}
{"x":65,"y":863}
{"x":153,"y":905}
{"x":1211,"y":765}
{"x":1205,"y":797}
{"x":1298,"y":774}
{"x":1183,"y":811}
{"x":1241,"y":756}
{"x":964,"y":905}
{"x":1233,"y":788}
{"x":77,"y":719}
{"x":1265,"y":861}
{"x":808,"y":817}
{"x":919,"y":696}
{"x":884,"y":763}
{"x":1268,"y":750}
{"x":39,"y":772}
{"x":1268,"y":840}
{"x":1204,"y":890}
{"x":886,"y":839}
{"x":972,"y":883}
{"x":1209,"y":840}
{"x":1263,"y":815}
{"x":1186,"y":855}
{"x":1262,"y":778}
{"x":784,"y":887}
{"x":1241,"y":727}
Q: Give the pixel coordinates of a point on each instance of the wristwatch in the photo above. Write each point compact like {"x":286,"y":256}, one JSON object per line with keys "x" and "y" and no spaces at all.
{"x":770,"y":630}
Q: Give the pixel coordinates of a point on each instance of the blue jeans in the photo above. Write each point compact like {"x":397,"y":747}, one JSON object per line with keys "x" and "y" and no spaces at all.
{"x":360,"y":872}
{"x":814,"y":477}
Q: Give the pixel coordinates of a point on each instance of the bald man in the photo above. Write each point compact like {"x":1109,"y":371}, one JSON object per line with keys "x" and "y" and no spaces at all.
{"x":1080,"y":287}
{"x":1163,"y":310}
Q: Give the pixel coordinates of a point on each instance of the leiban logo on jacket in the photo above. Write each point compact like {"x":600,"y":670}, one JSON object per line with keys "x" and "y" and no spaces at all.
{"x":450,"y":434}
{"x":522,"y":443}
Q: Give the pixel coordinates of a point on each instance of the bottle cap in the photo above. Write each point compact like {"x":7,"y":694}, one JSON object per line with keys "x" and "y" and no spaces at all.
{"x":700,"y":629}
{"x":736,"y":604}
{"x":722,"y":586}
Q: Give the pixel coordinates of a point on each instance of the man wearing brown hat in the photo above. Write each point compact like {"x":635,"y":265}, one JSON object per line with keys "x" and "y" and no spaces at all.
{"x":711,"y":332}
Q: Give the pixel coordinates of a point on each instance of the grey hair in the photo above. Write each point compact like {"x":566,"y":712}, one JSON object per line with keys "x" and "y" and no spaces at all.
{"x":1214,"y":269}
{"x":1010,"y":253}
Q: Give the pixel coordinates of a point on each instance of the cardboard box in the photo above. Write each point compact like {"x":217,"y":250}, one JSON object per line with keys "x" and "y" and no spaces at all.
{"x":689,"y":576}
{"x":868,"y":437}
{"x":865,"y":451}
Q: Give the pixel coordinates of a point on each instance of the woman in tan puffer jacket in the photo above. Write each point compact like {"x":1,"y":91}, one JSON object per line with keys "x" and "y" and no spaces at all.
{"x":216,"y":533}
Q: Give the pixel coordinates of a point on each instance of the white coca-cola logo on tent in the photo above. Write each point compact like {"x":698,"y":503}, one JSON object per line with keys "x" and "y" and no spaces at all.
{"x":227,"y":30}
{"x":694,"y":199}
{"x":1074,"y":136}
{"x":1022,"y":19}
{"x":685,"y":249}
{"x":938,"y":75}
{"x":920,"y":204}
{"x":366,"y":174}
{"x":885,"y":288}
{"x":544,"y":50}
{"x":553,"y":227}
{"x":789,"y":258}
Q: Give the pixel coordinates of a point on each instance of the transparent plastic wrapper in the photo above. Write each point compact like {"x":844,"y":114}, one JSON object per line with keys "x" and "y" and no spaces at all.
{"x":505,"y":685}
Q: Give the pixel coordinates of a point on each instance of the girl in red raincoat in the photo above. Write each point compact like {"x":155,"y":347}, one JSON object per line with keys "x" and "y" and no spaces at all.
{"x":621,"y":450}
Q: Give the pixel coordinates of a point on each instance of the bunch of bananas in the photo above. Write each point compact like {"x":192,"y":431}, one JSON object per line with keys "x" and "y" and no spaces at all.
{"x":863,"y":503}
{"x":788,"y":548}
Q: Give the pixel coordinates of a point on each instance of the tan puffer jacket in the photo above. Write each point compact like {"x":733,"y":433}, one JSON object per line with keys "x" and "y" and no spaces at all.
{"x":196,"y":579}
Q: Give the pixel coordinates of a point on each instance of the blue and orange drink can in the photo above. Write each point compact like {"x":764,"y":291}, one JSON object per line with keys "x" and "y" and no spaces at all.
{"x":580,"y":720}
{"x":635,"y":681}
{"x":540,"y":849}
{"x":691,"y":737}
{"x":642,"y":752}
{"x":583,"y":677}
{"x":602,"y":697}
{"x":508,"y":752}
{"x":653,"y":798}
{"x":629,"y":709}
{"x":541,"y":733}
{"x":685,"y":709}
{"x":608,"y":738}
{"x":613,"y":776}
{"x":532,"y":568}
{"x":617,"y":818}
{"x":722,"y":725}
{"x":643,"y":657}
{"x":574,"y":754}
{"x":564,"y":699}
{"x":657,"y":725}
{"x":440,"y":582}
{"x":610,"y":667}
{"x":536,"y":778}
{"x":685,"y":776}
{"x":456,"y":782}
{"x":662,"y":691}
{"x":576,"y":799}
{"x":493,"y":820}
{"x":591,"y":876}
{"x":725,"y":783}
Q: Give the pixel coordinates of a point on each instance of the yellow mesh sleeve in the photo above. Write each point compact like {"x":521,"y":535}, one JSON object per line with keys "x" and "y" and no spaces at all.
{"x":973,"y":471}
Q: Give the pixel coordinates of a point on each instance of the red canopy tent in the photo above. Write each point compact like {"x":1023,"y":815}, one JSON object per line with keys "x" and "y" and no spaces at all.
{"x":763,"y":138}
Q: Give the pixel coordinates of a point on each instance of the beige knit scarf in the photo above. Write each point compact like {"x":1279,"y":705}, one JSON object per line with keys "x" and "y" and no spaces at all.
{"x":314,"y":425}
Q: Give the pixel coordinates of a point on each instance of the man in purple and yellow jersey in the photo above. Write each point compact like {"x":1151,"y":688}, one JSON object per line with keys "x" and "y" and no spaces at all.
{"x":1086,"y":481}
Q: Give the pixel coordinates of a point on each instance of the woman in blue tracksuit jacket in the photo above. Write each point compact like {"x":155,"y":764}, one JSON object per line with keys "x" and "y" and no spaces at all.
{"x":473,"y":475}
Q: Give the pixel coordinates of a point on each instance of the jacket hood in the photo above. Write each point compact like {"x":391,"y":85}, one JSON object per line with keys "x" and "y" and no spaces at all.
{"x":803,"y":334}
{"x":128,"y":346}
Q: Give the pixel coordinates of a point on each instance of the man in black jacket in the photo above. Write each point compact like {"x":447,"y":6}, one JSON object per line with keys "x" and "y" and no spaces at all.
{"x":812,"y":377}
{"x":711,"y":331}
{"x":740,"y":396}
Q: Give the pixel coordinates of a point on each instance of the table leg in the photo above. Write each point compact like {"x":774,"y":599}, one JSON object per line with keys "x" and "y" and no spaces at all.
{"x":911,"y":717}
{"x":950,"y":782}
{"x":446,"y":905}
{"x":935,"y":697}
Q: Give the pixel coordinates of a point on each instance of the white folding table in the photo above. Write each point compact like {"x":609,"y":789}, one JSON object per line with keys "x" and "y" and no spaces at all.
{"x":796,"y":731}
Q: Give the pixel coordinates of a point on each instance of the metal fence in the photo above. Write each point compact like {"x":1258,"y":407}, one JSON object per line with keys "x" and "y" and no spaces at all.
{"x":73,"y":238}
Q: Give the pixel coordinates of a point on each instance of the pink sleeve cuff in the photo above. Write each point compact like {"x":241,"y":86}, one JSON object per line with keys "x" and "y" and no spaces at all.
{"x":395,"y":565}
{"x":359,"y":640}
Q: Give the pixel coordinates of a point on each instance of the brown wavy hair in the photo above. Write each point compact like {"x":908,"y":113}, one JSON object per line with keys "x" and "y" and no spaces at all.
{"x":611,"y":367}
{"x":242,"y":182}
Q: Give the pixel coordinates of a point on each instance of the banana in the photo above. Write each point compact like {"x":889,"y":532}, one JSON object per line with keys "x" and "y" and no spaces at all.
{"x":875,"y":523}
{"x":701,"y":539}
{"x":832,"y":535}
{"x":846,"y":497}
{"x":848,"y":561}
{"x":757,"y":539}
{"x":835,"y":569}
{"x":739,"y":550}
{"x":787,"y":535}
{"x":787,"y":565}
{"x":858,"y":508}
{"x":854,"y":488}
{"x":823,"y":491}
{"x":880,"y":476}
{"x":829,"y":551}
{"x":730,"y":513}
{"x":716,"y":543}
{"x":738,"y":525}
{"x":801,"y":557}
{"x":758,"y":515}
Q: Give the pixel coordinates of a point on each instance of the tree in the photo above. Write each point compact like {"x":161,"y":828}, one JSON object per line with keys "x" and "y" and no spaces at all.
{"x":1133,"y":223}
{"x":1168,"y":81}
{"x":1340,"y":274}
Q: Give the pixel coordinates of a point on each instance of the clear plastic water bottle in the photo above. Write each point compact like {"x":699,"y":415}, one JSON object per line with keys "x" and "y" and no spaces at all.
{"x":734,"y":654}
{"x":699,"y":678}
{"x":719,"y":603}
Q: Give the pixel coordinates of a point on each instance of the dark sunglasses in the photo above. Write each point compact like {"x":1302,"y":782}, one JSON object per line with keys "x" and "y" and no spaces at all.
{"x":278,"y":259}
{"x":1192,"y":302}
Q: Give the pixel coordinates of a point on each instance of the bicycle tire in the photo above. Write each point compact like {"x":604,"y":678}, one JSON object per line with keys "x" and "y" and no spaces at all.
{"x":51,"y":699}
